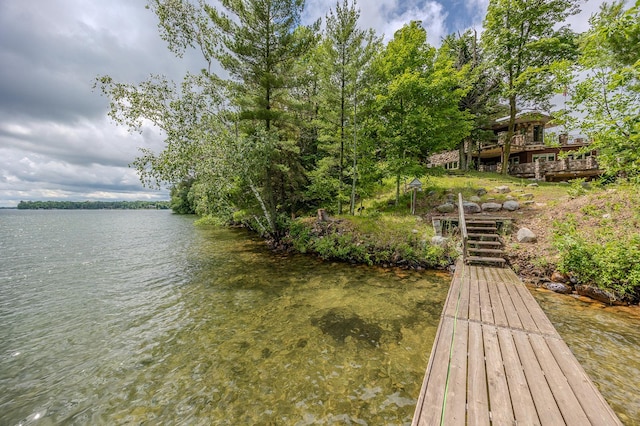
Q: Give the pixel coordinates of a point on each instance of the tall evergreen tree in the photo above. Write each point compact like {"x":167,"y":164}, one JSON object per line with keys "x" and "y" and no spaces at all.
{"x":262,"y":42}
{"x":528,"y":51}
{"x":343,"y":54}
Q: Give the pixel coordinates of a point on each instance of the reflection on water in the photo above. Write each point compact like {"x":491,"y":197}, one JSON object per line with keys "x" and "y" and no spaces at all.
{"x":606,"y":341}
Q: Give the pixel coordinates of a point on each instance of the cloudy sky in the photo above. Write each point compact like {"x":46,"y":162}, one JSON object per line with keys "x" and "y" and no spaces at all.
{"x":56,"y":141}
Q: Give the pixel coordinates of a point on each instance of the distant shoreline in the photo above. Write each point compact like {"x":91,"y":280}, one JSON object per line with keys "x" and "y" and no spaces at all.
{"x":91,"y":205}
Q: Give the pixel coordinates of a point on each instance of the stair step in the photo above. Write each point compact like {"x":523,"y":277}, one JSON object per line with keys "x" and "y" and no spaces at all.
{"x":480,"y":222}
{"x":479,"y":236}
{"x":481,"y":259}
{"x":484,"y":251}
{"x":482,"y":228}
{"x":484,"y":243}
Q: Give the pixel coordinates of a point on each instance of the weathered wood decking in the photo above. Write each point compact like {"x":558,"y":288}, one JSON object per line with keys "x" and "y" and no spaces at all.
{"x":497,"y":359}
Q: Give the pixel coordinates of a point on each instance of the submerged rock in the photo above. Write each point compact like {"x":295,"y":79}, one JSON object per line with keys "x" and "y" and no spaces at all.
{"x":557,"y":287}
{"x":346,"y":326}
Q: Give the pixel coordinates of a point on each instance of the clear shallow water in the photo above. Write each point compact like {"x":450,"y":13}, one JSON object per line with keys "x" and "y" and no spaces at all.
{"x":138,"y":317}
{"x":118,"y":317}
{"x":606,"y":341}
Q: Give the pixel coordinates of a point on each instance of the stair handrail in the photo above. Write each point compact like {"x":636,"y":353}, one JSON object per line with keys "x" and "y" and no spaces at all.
{"x":462,"y":224}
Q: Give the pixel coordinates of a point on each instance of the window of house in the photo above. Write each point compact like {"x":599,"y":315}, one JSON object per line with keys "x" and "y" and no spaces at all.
{"x":582,"y":156}
{"x":514,"y":161}
{"x":544,"y":157}
{"x":538,"y":133}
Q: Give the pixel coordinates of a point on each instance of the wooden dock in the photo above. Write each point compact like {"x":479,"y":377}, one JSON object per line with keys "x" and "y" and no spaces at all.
{"x":497,"y":359}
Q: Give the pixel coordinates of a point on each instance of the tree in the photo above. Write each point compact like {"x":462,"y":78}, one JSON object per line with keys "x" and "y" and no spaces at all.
{"x":344,"y":53}
{"x":263,"y":40}
{"x":235,"y":136}
{"x":606,"y":100}
{"x":418,"y":96}
{"x":528,"y":52}
{"x":481,"y":100}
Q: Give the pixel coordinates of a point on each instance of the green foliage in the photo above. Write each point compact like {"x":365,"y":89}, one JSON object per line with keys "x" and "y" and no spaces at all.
{"x":181,"y":198}
{"x":611,"y":263}
{"x":606,"y":104}
{"x":386,"y":240}
{"x":418,"y":98}
{"x":577,"y":187}
{"x":342,"y":61}
{"x":210,"y":220}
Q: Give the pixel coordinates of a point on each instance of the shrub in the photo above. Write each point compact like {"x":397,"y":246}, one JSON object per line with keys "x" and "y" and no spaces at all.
{"x":612,"y":263}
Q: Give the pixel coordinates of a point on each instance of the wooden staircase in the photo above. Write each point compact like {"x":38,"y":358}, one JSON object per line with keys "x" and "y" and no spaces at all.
{"x":481,"y":243}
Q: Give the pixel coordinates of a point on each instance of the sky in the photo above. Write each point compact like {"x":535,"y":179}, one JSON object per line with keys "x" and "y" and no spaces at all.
{"x":56,"y":140}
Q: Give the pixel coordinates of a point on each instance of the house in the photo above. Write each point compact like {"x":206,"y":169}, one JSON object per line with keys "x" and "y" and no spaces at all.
{"x":532,"y":154}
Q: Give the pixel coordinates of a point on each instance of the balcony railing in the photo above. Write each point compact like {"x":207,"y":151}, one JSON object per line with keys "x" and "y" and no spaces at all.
{"x":565,"y":165}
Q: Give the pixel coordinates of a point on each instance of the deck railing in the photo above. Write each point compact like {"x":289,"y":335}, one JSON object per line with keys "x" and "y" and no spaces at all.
{"x":462,"y":224}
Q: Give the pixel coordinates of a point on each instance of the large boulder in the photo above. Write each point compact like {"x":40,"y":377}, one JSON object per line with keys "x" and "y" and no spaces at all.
{"x":597,"y":294}
{"x":511,"y":205}
{"x":471,"y":208}
{"x":446,"y":208}
{"x":525,"y":235}
{"x":439,"y":241}
{"x":503,"y":189}
{"x":491,"y":207}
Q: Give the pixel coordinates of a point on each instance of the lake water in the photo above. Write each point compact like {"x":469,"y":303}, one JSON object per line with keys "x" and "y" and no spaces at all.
{"x":139,"y":317}
{"x":123,"y":317}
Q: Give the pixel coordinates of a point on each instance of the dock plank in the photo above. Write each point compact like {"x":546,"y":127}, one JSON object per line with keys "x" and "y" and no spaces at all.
{"x":567,"y":402}
{"x":430,"y":403}
{"x":594,"y":405}
{"x":497,"y":359}
{"x":477,"y":397}
{"x":499,"y":397}
{"x":485,"y":299}
{"x":499,"y":315}
{"x":546,"y":406}
{"x":456,"y":391}
{"x":521,"y":399}
{"x":474,"y":295}
{"x":451,"y":303}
